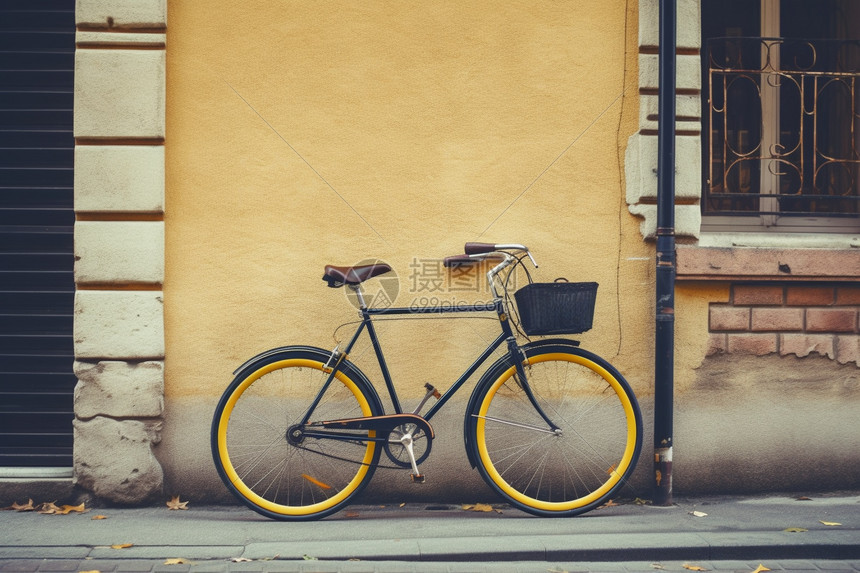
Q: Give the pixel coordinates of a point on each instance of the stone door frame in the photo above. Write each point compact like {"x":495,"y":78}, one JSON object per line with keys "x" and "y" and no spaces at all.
{"x":119,"y":129}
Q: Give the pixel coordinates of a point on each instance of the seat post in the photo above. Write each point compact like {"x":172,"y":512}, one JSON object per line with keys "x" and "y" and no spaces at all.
{"x":357,"y":288}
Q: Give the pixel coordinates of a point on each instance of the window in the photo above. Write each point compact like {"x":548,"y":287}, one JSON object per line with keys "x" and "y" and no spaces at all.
{"x":781,"y":115}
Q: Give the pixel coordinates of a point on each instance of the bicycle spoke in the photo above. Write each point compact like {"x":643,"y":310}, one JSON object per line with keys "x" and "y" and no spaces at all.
{"x":565,"y":471}
{"x":516,"y":424}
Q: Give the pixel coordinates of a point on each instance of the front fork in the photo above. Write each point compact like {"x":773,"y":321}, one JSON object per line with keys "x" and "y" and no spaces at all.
{"x":519,"y":357}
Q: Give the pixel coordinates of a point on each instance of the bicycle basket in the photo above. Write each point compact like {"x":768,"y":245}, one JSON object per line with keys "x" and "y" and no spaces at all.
{"x":556,"y":308}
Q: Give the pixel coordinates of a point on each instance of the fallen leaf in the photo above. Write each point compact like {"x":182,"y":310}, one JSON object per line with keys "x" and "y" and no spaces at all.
{"x":176,"y":561}
{"x":609,"y":503}
{"x":91,"y":571}
{"x":174,"y":503}
{"x":640,"y":501}
{"x":402,"y":504}
{"x":307,"y":557}
{"x":689,"y":567}
{"x":698,"y":514}
{"x":48,"y":508}
{"x":760,"y":568}
{"x":350,"y":514}
{"x":22,"y":506}
{"x":240,"y":560}
{"x":122,"y":546}
{"x":657,"y":566}
{"x":801,"y":498}
{"x":829,"y":523}
{"x":795,"y":529}
{"x":67,"y":509}
{"x":478,"y":507}
{"x":96,"y":517}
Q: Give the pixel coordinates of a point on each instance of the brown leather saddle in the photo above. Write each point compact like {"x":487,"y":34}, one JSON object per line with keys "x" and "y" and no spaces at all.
{"x":338,"y":276}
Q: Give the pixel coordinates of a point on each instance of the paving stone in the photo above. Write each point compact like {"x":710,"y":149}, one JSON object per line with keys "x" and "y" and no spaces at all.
{"x":599,"y":566}
{"x":320,"y":567}
{"x":211,"y":567}
{"x":398,"y":567}
{"x":282,"y":567}
{"x":731,"y":566}
{"x":833,"y":566}
{"x":247,"y":567}
{"x":134,"y":566}
{"x":467,"y":568}
{"x":62,"y":565}
{"x":797,"y":565}
{"x":101,"y":565}
{"x":20,"y":565}
{"x":179,"y":568}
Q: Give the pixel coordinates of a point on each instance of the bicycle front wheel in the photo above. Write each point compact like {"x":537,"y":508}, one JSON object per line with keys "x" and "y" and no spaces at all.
{"x":564,"y":471}
{"x":280,"y":477}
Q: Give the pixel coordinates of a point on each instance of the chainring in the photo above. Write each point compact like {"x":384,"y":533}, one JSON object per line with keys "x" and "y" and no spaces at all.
{"x":396,"y":451}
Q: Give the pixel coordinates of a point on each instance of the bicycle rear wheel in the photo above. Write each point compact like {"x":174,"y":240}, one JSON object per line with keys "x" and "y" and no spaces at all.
{"x":555,"y":473}
{"x":284,"y":478}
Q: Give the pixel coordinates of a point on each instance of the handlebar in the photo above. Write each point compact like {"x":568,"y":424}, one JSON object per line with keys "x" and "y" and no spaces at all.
{"x":476,"y":252}
{"x":484,"y":248}
{"x":479,"y":248}
{"x":457,"y":260}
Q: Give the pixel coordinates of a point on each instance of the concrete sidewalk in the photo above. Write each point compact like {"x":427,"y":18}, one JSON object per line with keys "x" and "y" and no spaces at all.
{"x":716,"y":533}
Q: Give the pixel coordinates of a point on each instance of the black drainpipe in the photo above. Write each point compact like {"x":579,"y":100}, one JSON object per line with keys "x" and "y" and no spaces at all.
{"x":664,"y":344}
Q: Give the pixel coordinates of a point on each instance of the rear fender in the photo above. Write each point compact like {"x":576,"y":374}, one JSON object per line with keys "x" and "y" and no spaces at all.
{"x":323,"y":356}
{"x":274,"y":351}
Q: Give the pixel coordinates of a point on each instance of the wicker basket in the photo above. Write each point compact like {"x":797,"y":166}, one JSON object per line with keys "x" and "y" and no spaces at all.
{"x":556,"y":308}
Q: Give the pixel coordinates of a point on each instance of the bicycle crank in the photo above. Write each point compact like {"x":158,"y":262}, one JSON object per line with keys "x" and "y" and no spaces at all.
{"x":397,"y":450}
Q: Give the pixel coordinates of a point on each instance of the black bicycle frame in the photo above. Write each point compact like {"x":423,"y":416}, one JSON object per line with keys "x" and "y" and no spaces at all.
{"x":367,"y":322}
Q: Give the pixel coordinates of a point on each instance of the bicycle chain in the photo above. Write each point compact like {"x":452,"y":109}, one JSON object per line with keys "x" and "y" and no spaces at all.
{"x":334,"y":457}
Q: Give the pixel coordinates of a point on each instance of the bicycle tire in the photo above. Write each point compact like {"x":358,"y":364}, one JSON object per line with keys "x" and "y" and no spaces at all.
{"x":256,"y":461}
{"x":546,"y":473}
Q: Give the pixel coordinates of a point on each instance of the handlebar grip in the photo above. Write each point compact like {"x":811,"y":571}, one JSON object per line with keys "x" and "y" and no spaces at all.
{"x":457,"y":260}
{"x":479,"y":248}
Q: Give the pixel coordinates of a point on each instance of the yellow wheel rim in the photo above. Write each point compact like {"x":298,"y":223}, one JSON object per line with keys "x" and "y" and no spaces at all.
{"x":615,"y":475}
{"x":227,"y":465}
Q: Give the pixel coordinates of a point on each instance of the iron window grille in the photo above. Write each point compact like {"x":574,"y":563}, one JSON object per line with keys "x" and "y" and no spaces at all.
{"x":783,"y":123}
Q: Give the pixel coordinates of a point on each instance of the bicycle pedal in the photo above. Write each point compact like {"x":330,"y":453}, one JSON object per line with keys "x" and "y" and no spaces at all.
{"x":418,"y":478}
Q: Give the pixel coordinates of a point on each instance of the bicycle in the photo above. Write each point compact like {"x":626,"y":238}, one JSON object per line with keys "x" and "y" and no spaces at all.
{"x":554,"y":429}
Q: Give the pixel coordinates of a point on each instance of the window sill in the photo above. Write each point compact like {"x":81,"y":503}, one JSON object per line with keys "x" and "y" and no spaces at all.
{"x":733,"y":262}
{"x":780,"y":240}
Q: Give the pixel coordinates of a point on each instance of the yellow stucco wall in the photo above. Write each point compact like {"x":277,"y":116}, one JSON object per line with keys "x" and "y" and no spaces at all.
{"x":302,"y":134}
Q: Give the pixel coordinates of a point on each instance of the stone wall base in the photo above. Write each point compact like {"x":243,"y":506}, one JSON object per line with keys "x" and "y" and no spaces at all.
{"x":114,"y":459}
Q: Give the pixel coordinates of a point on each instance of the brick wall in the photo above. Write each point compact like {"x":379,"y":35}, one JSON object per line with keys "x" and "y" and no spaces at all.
{"x":788,"y":319}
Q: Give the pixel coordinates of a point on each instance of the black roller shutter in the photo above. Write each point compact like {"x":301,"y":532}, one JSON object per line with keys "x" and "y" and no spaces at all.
{"x":37,"y":51}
